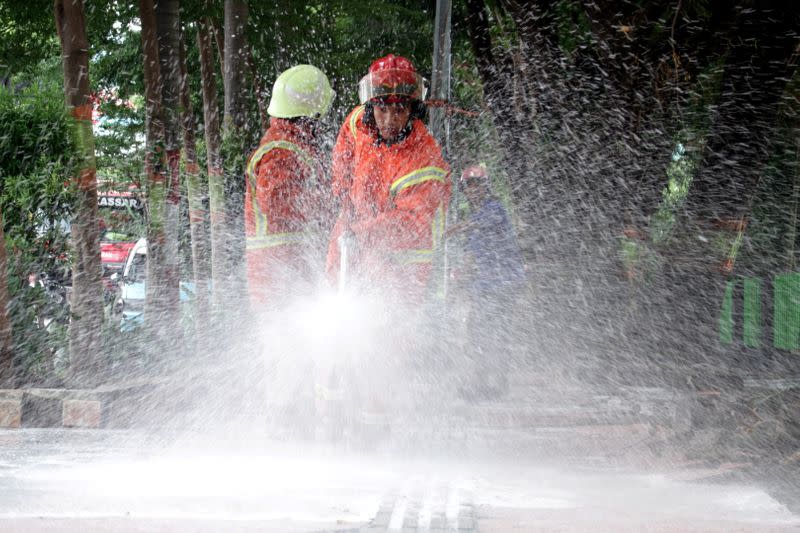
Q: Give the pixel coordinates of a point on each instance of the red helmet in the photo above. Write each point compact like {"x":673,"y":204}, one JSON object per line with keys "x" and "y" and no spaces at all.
{"x":391,"y":76}
{"x":475,"y":173}
{"x":392,"y":62}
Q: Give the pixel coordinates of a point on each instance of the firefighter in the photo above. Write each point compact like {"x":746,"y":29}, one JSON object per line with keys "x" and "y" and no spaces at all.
{"x":285,"y":206}
{"x":393,"y":184}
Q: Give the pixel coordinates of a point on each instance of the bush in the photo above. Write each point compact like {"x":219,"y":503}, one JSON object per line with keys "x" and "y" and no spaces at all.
{"x":36,"y":159}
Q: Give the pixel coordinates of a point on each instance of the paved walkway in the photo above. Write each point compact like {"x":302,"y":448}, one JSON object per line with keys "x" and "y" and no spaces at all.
{"x":90,"y":480}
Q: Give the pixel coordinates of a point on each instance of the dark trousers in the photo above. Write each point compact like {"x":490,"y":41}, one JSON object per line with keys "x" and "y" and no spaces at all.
{"x":493,"y":335}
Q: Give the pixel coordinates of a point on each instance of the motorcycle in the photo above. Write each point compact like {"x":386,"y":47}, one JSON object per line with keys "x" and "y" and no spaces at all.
{"x":54,"y":307}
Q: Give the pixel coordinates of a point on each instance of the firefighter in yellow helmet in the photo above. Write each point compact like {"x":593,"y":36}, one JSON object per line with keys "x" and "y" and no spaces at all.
{"x":285,"y":204}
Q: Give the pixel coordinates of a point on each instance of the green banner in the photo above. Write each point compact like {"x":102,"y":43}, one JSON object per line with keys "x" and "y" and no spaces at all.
{"x":726,"y":316}
{"x":786,"y":311}
{"x":752,"y":312}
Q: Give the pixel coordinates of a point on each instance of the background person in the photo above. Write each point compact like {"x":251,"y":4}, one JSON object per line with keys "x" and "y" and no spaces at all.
{"x":496,"y":282}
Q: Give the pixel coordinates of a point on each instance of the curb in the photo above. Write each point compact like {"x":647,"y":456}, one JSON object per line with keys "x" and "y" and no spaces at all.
{"x":109,"y":407}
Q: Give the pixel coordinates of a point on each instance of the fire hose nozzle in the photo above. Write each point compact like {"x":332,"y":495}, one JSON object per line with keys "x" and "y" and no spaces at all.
{"x":347,"y":250}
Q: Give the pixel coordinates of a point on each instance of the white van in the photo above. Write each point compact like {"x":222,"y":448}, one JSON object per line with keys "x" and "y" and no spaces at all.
{"x":129,"y":304}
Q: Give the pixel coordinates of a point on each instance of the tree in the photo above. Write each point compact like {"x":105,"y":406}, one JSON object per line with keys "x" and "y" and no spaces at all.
{"x":158,"y":295}
{"x":235,"y":133}
{"x":5,"y":322}
{"x":216,"y":183}
{"x":513,"y":122}
{"x":169,"y":30}
{"x":591,"y":102}
{"x":197,"y":192}
{"x":27,"y":38}
{"x":38,"y":156}
{"x":87,"y":295}
{"x":757,"y":68}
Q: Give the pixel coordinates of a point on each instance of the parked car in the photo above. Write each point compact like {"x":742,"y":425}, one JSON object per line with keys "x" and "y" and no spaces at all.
{"x":128,"y":306}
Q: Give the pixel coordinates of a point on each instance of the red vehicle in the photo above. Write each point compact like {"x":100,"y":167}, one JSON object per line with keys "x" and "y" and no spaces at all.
{"x":114,"y":250}
{"x":120,"y":207}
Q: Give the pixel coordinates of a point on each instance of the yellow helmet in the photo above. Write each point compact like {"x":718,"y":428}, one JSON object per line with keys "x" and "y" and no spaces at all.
{"x":301,"y":91}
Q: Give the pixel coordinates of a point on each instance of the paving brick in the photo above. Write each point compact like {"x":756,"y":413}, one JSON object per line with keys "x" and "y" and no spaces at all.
{"x":81,"y":413}
{"x":381,"y":520}
{"x":438,"y":522}
{"x":41,"y":411}
{"x":10,"y":413}
{"x":465,"y":523}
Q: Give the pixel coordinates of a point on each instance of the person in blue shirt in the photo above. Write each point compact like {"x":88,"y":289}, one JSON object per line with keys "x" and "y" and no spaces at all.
{"x":496,"y":281}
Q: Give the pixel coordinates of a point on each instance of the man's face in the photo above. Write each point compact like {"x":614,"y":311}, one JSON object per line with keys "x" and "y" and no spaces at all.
{"x":391,"y":119}
{"x":474,"y":190}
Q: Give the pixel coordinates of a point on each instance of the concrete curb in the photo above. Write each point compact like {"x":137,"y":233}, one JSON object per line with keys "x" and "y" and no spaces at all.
{"x":106,"y":407}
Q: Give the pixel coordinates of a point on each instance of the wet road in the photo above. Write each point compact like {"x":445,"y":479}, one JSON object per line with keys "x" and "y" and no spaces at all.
{"x":68,"y":480}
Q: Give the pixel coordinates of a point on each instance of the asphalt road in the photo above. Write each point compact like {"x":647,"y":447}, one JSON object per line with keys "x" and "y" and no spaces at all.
{"x":75,"y":480}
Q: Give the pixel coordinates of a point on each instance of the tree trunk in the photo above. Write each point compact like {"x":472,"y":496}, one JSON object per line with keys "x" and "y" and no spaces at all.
{"x":737,"y":150}
{"x":234,"y":138}
{"x":570,"y":137}
{"x":640,"y":94}
{"x":6,"y":354}
{"x":216,"y":182}
{"x":511,"y":122}
{"x":158,"y":299}
{"x":197,"y":191}
{"x":258,"y":90}
{"x":756,"y":71}
{"x":213,"y":28}
{"x":168,"y":28}
{"x":86,"y":303}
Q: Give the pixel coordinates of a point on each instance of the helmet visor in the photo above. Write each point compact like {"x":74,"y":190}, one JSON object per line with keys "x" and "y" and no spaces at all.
{"x":392,"y":82}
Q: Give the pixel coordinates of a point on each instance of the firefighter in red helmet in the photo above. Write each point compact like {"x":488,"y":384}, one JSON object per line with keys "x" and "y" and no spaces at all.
{"x":393,"y":184}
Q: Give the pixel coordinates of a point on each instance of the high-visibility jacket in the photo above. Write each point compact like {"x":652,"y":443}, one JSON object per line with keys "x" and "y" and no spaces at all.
{"x":285,"y":212}
{"x":394,"y":199}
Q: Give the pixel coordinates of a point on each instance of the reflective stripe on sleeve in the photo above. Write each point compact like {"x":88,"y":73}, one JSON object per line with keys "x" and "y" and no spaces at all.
{"x":408,"y":257}
{"x":418,"y":176}
{"x":425,"y":255}
{"x":264,"y":148}
{"x":354,"y":119}
{"x":274,"y":239}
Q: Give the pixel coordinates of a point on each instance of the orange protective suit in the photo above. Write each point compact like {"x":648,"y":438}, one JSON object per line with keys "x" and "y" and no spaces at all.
{"x":394,"y":200}
{"x":286,"y":219}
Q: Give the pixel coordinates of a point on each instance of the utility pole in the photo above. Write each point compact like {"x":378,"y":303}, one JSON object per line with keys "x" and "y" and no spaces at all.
{"x":439,"y":120}
{"x":440,"y":77}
